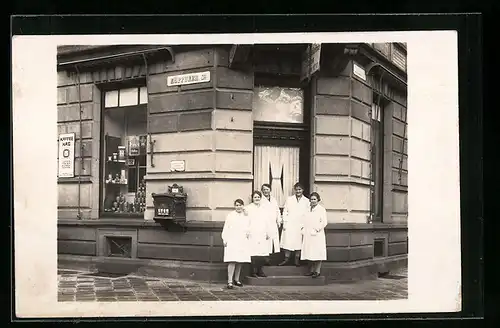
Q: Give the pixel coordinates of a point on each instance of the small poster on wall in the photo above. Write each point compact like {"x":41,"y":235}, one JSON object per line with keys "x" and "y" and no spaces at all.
{"x":133,"y":146}
{"x":66,"y":167}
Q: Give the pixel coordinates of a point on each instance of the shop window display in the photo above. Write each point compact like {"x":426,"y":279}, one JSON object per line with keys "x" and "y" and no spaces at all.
{"x":125,"y":147}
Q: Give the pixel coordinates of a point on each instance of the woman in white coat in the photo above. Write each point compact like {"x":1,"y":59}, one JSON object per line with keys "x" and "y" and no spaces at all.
{"x":314,"y":241}
{"x":274,"y":216}
{"x":260,"y":234}
{"x":296,"y":207}
{"x":235,"y":235}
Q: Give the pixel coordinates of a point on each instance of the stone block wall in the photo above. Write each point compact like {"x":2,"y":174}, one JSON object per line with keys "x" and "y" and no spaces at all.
{"x":341,"y":152}
{"x":206,"y":125}
{"x":69,"y":104}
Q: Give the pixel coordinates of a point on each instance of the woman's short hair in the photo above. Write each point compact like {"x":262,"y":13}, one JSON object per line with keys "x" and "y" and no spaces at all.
{"x":266,"y":185}
{"x":298,"y":185}
{"x":256,"y":192}
{"x":316,"y":195}
{"x":239,"y":201}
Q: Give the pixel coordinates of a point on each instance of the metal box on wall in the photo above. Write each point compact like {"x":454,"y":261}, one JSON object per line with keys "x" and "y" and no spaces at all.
{"x":170,"y":207}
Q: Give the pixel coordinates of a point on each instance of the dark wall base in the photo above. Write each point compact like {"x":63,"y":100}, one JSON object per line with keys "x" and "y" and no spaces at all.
{"x":217,"y":272}
{"x":368,"y":269}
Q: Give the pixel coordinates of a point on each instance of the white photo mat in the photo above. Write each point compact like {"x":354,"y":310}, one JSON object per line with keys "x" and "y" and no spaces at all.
{"x":434,"y":260}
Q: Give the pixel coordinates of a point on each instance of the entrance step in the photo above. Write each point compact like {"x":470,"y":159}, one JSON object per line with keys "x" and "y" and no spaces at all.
{"x":285,"y":270}
{"x":286,"y":281}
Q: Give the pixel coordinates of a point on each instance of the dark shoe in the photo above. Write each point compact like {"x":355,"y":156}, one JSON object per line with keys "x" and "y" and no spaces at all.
{"x":254,"y":275}
{"x":237,"y":283}
{"x":230,"y":286}
{"x":297,"y":262}
{"x":261,"y":274}
{"x":309,"y":274}
{"x":315,"y":275}
{"x":285,"y":261}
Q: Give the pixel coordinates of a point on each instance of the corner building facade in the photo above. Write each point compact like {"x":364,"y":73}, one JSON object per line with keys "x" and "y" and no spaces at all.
{"x":252,"y":114}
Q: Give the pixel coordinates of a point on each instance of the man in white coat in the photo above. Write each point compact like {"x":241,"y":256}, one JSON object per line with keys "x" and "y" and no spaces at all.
{"x":274,"y":216}
{"x":296,"y":207}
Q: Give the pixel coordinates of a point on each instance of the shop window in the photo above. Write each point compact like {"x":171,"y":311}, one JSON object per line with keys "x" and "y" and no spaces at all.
{"x":124,"y":154}
{"x":377,"y":143}
{"x":281,"y":140}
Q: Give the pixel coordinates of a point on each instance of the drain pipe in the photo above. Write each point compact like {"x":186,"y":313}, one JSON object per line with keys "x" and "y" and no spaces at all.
{"x":79,"y":214}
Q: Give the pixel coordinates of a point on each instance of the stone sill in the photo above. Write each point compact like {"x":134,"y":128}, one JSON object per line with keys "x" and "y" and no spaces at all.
{"x":83,"y":179}
{"x":134,"y":222}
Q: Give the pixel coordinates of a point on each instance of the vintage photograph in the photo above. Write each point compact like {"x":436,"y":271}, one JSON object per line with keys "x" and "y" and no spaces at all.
{"x":232,"y":172}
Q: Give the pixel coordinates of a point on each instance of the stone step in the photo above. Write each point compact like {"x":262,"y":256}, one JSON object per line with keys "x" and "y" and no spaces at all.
{"x":285,"y":270}
{"x":285,"y":281}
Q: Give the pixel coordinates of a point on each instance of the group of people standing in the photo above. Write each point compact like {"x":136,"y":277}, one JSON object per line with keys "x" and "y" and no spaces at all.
{"x":251,"y":233}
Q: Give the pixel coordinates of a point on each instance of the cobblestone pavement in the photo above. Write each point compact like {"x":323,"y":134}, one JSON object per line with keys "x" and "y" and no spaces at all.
{"x":81,"y":286}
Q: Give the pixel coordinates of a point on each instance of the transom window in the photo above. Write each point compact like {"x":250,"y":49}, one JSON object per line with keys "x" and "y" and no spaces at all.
{"x":278,"y":104}
{"x":126,"y":97}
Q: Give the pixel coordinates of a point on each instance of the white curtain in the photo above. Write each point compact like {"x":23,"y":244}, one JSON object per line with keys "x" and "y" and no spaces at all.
{"x":278,"y":166}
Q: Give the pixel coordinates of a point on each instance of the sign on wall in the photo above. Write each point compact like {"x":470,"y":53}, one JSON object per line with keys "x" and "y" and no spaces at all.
{"x":359,"y":71}
{"x":192,"y":78}
{"x":177,"y":166}
{"x":310,"y":61}
{"x":66,"y":155}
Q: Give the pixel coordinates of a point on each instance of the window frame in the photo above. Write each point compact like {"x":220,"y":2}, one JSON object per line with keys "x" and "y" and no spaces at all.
{"x":378,"y":188}
{"x":286,"y":133}
{"x":106,"y":87}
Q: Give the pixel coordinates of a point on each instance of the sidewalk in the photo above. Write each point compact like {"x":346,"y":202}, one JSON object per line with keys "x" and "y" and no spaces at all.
{"x":82,"y":286}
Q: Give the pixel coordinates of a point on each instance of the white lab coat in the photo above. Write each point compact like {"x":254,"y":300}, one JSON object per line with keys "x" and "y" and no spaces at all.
{"x":274,"y":217}
{"x":260,"y":229}
{"x":293,"y":214}
{"x":235,"y":231}
{"x":313,"y":229}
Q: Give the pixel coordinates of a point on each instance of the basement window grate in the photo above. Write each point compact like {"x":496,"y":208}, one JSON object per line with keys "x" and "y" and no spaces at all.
{"x":119,"y":247}
{"x":379,"y":247}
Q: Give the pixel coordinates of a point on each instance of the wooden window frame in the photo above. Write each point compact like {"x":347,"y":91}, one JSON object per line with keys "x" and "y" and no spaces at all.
{"x":378,"y":188}
{"x":105,"y":87}
{"x":287,"y":134}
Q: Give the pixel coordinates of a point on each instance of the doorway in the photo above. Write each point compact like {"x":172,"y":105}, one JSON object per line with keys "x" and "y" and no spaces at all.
{"x":278,"y":166}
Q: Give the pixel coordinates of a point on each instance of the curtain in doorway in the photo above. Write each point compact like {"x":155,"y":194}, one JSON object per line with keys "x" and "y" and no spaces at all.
{"x":278,"y":166}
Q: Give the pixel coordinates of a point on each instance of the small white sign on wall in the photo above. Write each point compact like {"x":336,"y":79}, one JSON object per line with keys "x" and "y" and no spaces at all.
{"x":192,"y":78}
{"x":359,"y":71}
{"x":177,"y":166}
{"x":66,"y":167}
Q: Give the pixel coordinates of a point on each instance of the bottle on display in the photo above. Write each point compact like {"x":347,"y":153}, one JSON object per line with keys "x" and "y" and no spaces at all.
{"x":121,"y":153}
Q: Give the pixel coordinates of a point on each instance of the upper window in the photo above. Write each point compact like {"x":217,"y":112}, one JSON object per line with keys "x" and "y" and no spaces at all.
{"x":126,"y":97}
{"x":125,"y":140}
{"x":278,"y":104}
{"x":377,"y":144}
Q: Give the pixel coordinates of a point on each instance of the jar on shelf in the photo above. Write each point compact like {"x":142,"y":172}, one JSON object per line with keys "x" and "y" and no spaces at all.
{"x":121,"y":153}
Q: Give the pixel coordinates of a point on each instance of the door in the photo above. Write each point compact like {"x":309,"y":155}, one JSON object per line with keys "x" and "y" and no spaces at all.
{"x":278,"y":166}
